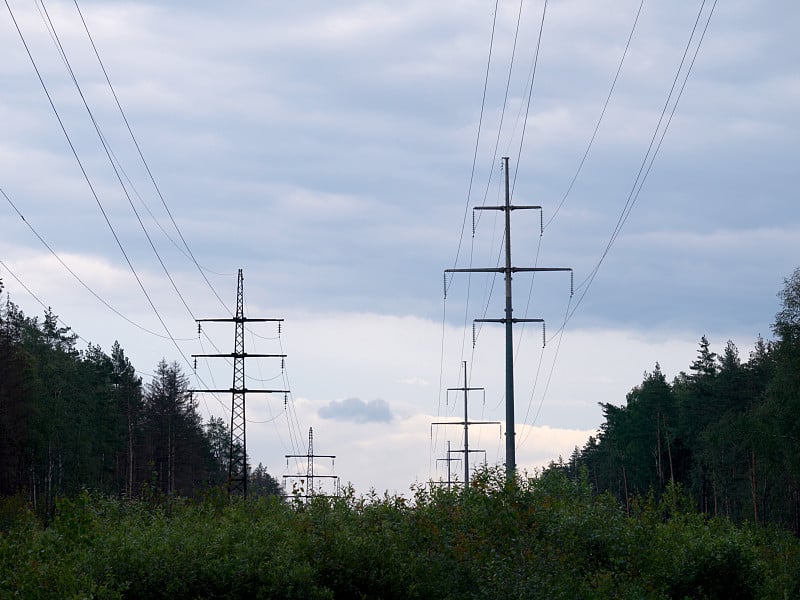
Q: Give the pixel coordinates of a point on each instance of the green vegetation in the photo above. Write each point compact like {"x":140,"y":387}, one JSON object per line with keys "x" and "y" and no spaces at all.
{"x":74,"y":419}
{"x":691,"y":490}
{"x":728,"y":431}
{"x":544,"y":538}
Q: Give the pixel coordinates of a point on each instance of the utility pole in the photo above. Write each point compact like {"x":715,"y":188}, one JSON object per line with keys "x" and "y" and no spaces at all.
{"x":465,"y":423}
{"x":309,"y":475}
{"x":509,"y":320}
{"x":237,"y":460}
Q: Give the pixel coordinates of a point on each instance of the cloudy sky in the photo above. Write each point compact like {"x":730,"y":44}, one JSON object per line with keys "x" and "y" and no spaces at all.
{"x":334,"y":150}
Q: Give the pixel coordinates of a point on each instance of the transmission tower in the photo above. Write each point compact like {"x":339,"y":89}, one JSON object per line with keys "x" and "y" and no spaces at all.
{"x":509,"y":319}
{"x":465,"y":423}
{"x":309,"y":475}
{"x":237,"y":460}
{"x":449,"y":459}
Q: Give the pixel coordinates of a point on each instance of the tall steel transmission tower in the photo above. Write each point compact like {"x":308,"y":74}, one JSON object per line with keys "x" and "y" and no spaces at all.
{"x":237,"y":458}
{"x":509,"y":319}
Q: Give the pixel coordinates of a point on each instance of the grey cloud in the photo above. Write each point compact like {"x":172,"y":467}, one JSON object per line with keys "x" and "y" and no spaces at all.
{"x":358,"y":411}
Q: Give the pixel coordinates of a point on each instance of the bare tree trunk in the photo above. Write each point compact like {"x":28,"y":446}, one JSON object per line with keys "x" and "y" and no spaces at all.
{"x":658,"y":452}
{"x":129,"y":478}
{"x":170,"y":460}
{"x":753,"y":485}
{"x":625,"y":481}
{"x":669,"y":452}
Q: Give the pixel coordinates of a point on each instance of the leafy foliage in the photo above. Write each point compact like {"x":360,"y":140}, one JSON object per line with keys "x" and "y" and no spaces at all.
{"x":727,"y":430}
{"x":71,"y":420}
{"x":546,"y":537}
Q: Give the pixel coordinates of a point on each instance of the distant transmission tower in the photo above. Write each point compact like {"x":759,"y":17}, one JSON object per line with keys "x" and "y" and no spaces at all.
{"x":309,"y":475}
{"x":449,"y":459}
{"x":237,"y":459}
{"x":509,"y":319}
{"x":465,"y":423}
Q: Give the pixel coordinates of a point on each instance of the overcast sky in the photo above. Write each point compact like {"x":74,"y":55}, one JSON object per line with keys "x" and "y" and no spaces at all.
{"x":327,"y":149}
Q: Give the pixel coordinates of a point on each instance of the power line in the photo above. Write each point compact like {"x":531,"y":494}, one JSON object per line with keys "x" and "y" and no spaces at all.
{"x":489,"y":182}
{"x":109,"y":154}
{"x":106,"y":148}
{"x":505,"y":104}
{"x":141,"y":156}
{"x":96,"y":197}
{"x":478,"y":136}
{"x":466,"y":212}
{"x":39,"y":300}
{"x":635,"y":191}
{"x":652,"y":150}
{"x":530,"y":96}
{"x":91,"y":186}
{"x":77,"y":277}
{"x":599,"y":119}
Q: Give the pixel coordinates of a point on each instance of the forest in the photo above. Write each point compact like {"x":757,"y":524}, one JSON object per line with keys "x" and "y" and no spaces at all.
{"x":73,"y":420}
{"x":728,"y":430}
{"x":114,"y":489}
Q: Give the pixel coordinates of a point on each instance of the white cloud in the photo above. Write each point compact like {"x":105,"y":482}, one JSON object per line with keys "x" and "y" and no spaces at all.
{"x":357,"y":411}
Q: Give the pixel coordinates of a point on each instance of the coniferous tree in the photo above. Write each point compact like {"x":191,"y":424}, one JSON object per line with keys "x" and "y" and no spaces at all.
{"x":127,"y":393}
{"x":176,"y":448}
{"x":261,"y":483}
{"x":780,"y":414}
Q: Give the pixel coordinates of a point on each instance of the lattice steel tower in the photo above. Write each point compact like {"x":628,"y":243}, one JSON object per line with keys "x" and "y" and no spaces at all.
{"x":237,"y":458}
{"x":310,"y":490}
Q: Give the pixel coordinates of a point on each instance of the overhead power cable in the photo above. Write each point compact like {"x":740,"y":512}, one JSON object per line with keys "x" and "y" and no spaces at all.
{"x":466,"y":212}
{"x":599,"y":119}
{"x":92,"y":188}
{"x":530,"y":87}
{"x":503,"y":109}
{"x":530,"y":96}
{"x":106,"y":148}
{"x":39,"y":300}
{"x":488,"y":186}
{"x":144,"y":161}
{"x":653,"y":147}
{"x":78,"y":278}
{"x":109,"y":154}
{"x":477,"y":137}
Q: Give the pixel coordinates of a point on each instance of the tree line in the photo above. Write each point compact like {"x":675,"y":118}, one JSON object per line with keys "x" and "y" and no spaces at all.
{"x":73,"y":419}
{"x":728,"y":430}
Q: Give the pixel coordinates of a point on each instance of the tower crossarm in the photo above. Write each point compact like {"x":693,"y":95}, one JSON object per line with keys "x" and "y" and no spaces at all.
{"x":241,"y":391}
{"x":513,"y":320}
{"x":239,"y":355}
{"x":239,"y":320}
{"x":510,"y":207}
{"x":507,"y":269}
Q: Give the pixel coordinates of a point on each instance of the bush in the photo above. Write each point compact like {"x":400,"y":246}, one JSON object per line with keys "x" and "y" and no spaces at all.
{"x":545,"y":537}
